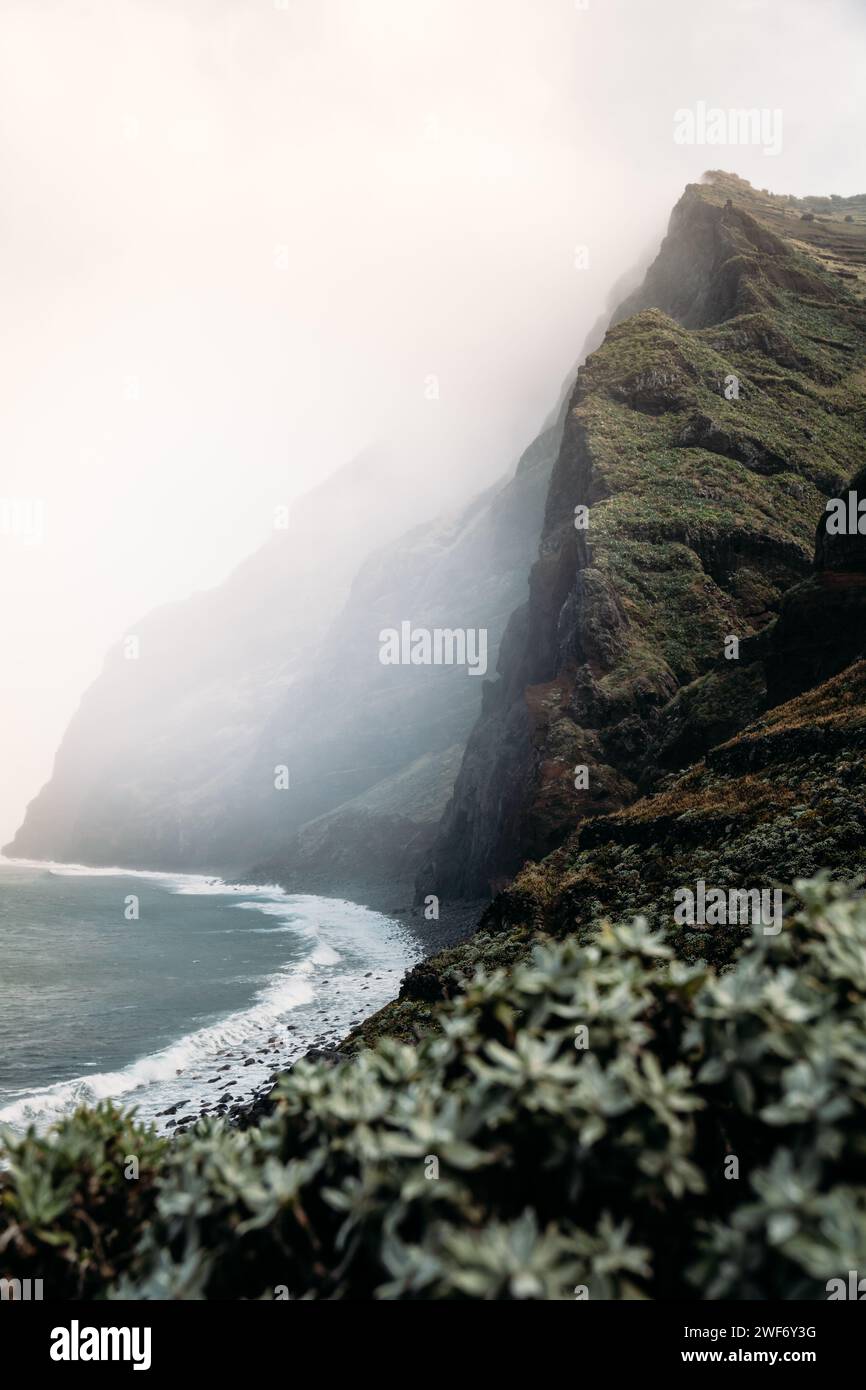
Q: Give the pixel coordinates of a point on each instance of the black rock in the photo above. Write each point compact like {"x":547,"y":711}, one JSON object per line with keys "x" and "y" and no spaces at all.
{"x":319,"y":1054}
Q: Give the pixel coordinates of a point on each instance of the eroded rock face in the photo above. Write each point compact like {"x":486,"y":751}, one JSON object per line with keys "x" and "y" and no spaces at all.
{"x":821,"y":630}
{"x":822,"y":626}
{"x":704,"y":437}
{"x":783,"y":799}
{"x":844,"y":551}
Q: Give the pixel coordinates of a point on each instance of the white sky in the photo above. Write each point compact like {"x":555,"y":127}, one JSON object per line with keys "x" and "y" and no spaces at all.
{"x":272,"y":222}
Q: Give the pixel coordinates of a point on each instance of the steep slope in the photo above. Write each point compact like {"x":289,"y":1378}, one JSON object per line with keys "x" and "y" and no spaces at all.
{"x":783,"y":799}
{"x":725,"y":405}
{"x":374,"y":749}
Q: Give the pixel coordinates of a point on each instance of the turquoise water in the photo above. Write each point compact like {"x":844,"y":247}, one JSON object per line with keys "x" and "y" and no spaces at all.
{"x":209,"y":990}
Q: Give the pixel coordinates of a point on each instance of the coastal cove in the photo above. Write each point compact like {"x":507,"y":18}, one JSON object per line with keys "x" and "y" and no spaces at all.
{"x":188,"y":1008}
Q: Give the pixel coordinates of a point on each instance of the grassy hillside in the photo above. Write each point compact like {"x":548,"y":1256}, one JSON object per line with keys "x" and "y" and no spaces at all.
{"x":725,"y":405}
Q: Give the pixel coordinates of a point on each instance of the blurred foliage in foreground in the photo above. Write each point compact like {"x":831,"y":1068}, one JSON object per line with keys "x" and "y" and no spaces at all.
{"x":559,"y":1166}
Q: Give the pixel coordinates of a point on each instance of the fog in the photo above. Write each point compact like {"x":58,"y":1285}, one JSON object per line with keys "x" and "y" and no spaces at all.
{"x":244,"y":241}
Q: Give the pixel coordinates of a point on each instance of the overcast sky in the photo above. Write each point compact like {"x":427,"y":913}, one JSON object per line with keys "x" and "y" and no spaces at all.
{"x":239,"y":238}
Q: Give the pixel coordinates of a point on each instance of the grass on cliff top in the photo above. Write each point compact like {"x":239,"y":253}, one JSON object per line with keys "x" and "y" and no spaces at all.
{"x":702,"y":509}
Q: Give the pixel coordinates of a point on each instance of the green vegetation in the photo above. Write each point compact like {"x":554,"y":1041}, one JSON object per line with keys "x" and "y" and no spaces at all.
{"x":708,"y":1140}
{"x":69,"y":1215}
{"x":608,"y":1166}
{"x":783,"y":799}
{"x":704,"y":435}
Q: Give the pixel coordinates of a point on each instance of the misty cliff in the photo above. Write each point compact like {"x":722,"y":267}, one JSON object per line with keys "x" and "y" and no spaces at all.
{"x":645,"y":580}
{"x":170,"y":761}
{"x":702,"y":440}
{"x":374,"y":749}
{"x":147,"y":772}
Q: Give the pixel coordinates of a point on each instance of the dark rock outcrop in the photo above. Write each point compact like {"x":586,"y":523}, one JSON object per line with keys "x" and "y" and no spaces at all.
{"x":822,"y":626}
{"x":703,"y":438}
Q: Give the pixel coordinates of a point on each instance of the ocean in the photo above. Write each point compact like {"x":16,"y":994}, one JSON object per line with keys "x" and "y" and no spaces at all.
{"x":202,"y":996}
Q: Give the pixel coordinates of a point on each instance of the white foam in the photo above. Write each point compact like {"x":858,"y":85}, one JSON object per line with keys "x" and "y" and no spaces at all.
{"x":338,"y":933}
{"x":201,"y":1048}
{"x":198,"y":884}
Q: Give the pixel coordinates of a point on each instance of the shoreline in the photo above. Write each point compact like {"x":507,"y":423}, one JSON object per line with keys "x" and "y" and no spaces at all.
{"x":233,"y":1081}
{"x":457,"y":922}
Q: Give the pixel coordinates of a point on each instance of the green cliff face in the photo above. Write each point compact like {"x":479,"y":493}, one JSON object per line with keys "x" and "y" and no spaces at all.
{"x":703,"y":438}
{"x":782,"y":800}
{"x":585,"y":1082}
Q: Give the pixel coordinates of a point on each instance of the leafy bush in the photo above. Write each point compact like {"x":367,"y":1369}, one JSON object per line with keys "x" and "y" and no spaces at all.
{"x":70,"y":1210}
{"x":609,"y":1166}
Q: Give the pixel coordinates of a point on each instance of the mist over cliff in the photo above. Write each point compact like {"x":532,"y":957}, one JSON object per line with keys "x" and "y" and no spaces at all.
{"x":175,"y":757}
{"x":703,"y":437}
{"x":257,"y":728}
{"x":244,"y":242}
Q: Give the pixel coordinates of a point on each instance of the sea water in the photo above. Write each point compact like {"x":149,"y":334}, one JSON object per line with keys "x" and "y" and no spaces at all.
{"x":207,"y":991}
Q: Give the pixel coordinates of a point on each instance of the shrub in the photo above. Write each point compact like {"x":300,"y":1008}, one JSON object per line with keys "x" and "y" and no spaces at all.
{"x":608,"y":1166}
{"x":69,"y":1213}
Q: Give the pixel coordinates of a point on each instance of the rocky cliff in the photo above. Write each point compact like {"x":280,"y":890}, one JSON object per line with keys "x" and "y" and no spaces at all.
{"x":782,"y":801}
{"x":374,"y":749}
{"x":702,"y":441}
{"x":676,"y":594}
{"x":170,"y":761}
